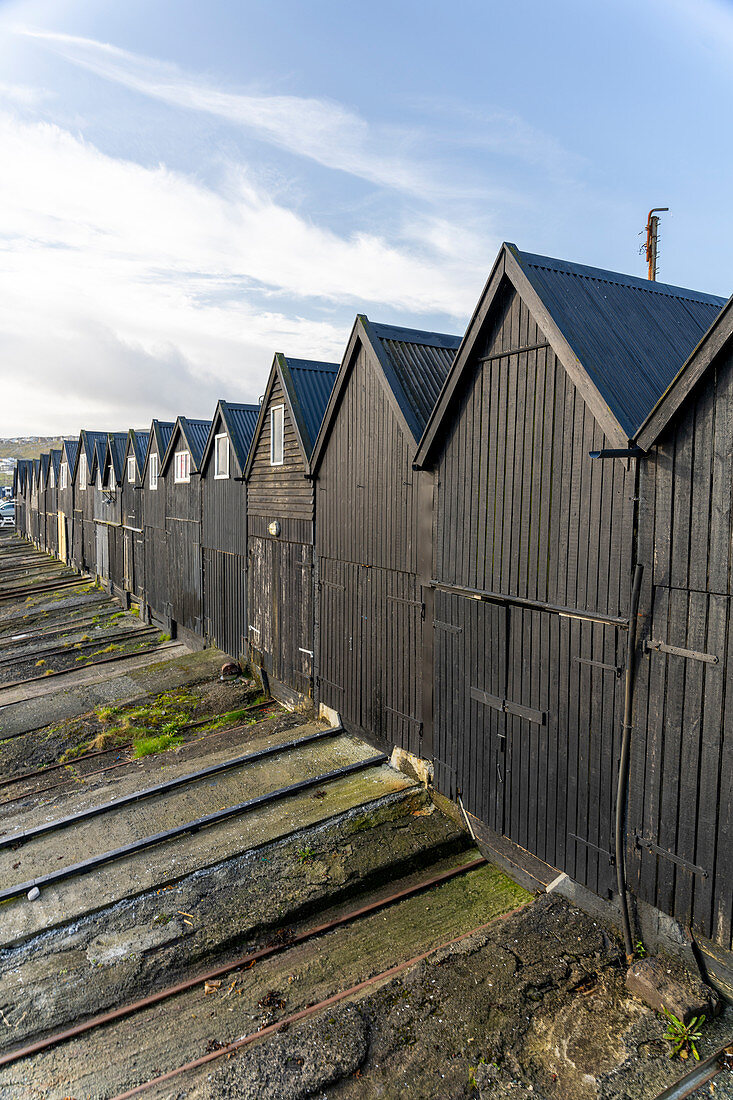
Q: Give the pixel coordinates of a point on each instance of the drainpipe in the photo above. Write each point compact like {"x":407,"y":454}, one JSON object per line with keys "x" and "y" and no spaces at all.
{"x":622,"y":792}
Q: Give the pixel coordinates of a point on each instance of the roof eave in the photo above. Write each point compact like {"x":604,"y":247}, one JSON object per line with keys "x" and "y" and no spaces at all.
{"x":687,"y":377}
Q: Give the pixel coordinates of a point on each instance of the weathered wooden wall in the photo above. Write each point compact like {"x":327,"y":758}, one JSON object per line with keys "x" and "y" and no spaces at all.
{"x":681,"y":804}
{"x":281,"y":566}
{"x":370,"y":606}
{"x":533,"y":537}
{"x":279,"y":491}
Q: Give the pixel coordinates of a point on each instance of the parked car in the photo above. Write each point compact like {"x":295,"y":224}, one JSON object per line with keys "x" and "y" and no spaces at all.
{"x":7,"y":514}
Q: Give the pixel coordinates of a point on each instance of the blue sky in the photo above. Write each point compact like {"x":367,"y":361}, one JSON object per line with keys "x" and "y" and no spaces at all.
{"x":187,"y":188}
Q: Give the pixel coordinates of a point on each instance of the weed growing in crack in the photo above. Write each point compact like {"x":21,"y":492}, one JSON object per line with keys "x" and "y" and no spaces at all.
{"x":683,"y":1037}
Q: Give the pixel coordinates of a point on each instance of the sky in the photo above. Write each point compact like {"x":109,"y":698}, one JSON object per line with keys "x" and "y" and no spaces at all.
{"x":187,"y":188}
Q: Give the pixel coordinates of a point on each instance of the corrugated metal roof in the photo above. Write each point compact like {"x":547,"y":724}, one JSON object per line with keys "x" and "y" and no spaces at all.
{"x":117,"y":448}
{"x":420,"y":362}
{"x":311,"y":389}
{"x":139,"y":447}
{"x":163,"y":430}
{"x":195,"y":432}
{"x":71,"y":446}
{"x":89,"y":441}
{"x":43,"y":471}
{"x":55,"y":460}
{"x":631,"y":335}
{"x":240,"y":422}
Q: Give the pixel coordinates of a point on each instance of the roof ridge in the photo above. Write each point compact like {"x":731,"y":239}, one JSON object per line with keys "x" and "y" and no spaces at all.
{"x":617,"y":278}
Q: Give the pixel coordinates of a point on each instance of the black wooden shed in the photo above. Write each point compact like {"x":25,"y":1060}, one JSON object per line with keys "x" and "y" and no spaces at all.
{"x":181,"y":474}
{"x":224,"y":526}
{"x":155,"y":538}
{"x":680,"y":827}
{"x":65,"y":501}
{"x":281,"y":522}
{"x":84,"y":546}
{"x":536,"y":514}
{"x":373,"y":530}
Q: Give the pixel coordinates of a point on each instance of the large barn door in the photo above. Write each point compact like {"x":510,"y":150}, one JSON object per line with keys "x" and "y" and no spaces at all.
{"x":102,"y":560}
{"x":469,"y":717}
{"x":681,"y":812}
{"x":336,"y":640}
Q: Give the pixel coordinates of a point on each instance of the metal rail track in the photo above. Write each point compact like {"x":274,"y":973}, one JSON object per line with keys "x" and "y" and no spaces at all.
{"x":57,"y":615}
{"x":41,"y":589}
{"x":119,"y":748}
{"x":90,"y":664}
{"x":18,"y":839}
{"x":70,"y":626}
{"x":700,"y":1074}
{"x":310,"y":1010}
{"x":121,"y":764}
{"x":87,"y":664}
{"x":41,"y":881}
{"x":76,"y":647}
{"x":275,"y":948}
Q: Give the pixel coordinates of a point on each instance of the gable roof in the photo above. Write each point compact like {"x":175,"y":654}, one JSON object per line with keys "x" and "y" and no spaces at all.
{"x":239,"y":422}
{"x":115,"y":451}
{"x":136,"y":444}
{"x":620,"y":338}
{"x":718,"y":336}
{"x":70,"y":448}
{"x":307,"y":386}
{"x":54,"y":463}
{"x":195,"y":434}
{"x":43,"y":470}
{"x":88,"y":441}
{"x":413,"y":365}
{"x":159,"y":437}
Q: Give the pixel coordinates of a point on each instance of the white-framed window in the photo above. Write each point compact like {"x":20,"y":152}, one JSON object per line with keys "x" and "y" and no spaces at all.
{"x":52,"y":479}
{"x":183,"y":466}
{"x":221,"y":455}
{"x":131,"y":468}
{"x":83,"y":472}
{"x":99,"y":477}
{"x":64,"y":475}
{"x":277,"y":435}
{"x":153,"y":467}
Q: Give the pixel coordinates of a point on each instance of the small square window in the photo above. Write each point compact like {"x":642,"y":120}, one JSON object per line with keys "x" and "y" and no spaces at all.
{"x":183,"y":466}
{"x":221,"y":456}
{"x":277,"y":435}
{"x":131,"y":468}
{"x":153,"y":471}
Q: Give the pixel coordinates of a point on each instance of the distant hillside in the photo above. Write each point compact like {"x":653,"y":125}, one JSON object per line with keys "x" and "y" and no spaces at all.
{"x":21,"y":448}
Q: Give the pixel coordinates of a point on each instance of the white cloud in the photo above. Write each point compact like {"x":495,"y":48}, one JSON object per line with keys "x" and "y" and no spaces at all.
{"x":319,"y":129}
{"x":141,"y":290}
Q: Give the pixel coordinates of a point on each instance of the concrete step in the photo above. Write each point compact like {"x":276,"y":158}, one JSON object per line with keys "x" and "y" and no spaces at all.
{"x":152,"y":815}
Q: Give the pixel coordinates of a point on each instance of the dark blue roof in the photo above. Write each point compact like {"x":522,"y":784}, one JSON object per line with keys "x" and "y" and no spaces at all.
{"x":139,"y":442}
{"x":71,"y":446}
{"x":117,"y":447}
{"x":162,"y":430}
{"x":55,"y":460}
{"x":43,"y":470}
{"x":417,"y":366}
{"x":196,"y":432}
{"x":89,"y":441}
{"x":240,"y":422}
{"x":630,"y":335}
{"x":310,"y":390}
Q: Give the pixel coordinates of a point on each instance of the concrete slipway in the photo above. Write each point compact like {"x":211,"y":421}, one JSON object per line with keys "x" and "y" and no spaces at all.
{"x":507,"y":995}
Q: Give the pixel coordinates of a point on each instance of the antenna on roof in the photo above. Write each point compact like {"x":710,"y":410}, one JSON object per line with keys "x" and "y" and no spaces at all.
{"x":650,"y":247}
